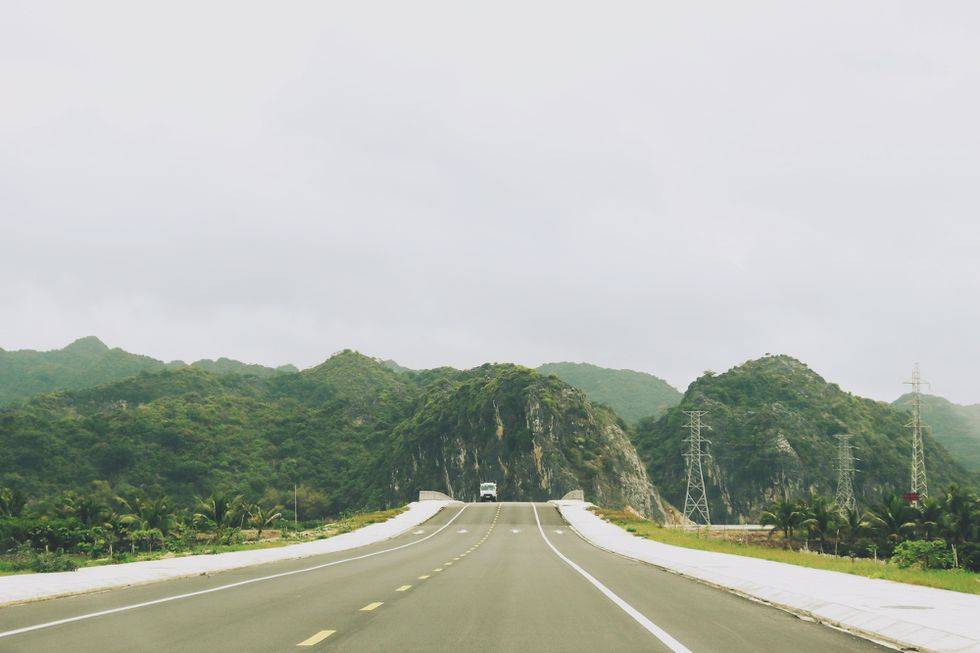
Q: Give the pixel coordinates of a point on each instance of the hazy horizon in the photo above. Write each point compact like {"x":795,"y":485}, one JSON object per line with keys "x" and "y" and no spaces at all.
{"x":658,"y":187}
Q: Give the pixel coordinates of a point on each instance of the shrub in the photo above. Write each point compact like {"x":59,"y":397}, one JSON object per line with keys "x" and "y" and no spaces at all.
{"x":48,"y":562}
{"x":928,"y":554}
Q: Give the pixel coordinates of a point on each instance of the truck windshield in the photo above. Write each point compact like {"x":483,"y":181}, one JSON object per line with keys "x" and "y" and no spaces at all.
{"x":488,"y":486}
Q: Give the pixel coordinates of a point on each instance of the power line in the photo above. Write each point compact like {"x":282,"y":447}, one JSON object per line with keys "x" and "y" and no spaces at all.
{"x":696,"y":500}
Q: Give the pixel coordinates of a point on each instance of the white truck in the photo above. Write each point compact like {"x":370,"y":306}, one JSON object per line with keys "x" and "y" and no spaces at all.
{"x":488,"y":492}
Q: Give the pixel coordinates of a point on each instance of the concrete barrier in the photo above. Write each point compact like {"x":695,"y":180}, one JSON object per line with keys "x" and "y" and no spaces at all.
{"x":431,"y":495}
{"x":574,"y":495}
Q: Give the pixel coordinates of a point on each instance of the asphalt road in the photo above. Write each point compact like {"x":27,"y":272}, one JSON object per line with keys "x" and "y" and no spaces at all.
{"x":487,"y":581}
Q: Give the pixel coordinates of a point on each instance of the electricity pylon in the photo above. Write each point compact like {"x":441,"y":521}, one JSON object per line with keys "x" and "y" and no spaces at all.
{"x":845,"y":472}
{"x":920,"y":488}
{"x":696,"y":500}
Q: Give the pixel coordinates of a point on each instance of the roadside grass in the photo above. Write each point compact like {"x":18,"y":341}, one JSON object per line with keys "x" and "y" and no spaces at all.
{"x":20,"y":564}
{"x":957,"y":580}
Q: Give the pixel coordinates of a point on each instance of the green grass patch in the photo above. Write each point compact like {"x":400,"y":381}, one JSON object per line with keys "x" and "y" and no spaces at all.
{"x":957,"y":580}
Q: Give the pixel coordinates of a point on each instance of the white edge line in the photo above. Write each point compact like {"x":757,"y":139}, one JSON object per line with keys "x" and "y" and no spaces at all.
{"x":167,"y":599}
{"x":651,"y":627}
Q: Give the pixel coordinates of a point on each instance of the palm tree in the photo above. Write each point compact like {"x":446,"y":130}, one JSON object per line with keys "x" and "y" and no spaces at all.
{"x":261,"y":519}
{"x":820,"y":518}
{"x":12,"y":502}
{"x":159,"y":513}
{"x":84,"y":507}
{"x":930,"y":514}
{"x":783,"y":516}
{"x":217,"y":513}
{"x":961,"y":520}
{"x":893,"y":518}
{"x":852,"y":523}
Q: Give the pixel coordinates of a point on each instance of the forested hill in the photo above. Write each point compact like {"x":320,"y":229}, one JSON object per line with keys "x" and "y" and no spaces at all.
{"x":954,"y":426}
{"x":633,"y":395}
{"x":536,"y":437}
{"x":87,"y":363}
{"x":350,"y":432}
{"x":773,"y":422}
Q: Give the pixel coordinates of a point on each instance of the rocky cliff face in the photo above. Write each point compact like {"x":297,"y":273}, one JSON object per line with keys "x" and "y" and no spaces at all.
{"x":537,"y":437}
{"x":772,"y":426}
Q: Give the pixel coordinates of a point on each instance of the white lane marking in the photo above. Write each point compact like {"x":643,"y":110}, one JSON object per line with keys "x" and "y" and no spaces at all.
{"x":559,"y":532}
{"x":651,"y":627}
{"x":461,"y":531}
{"x":167,"y":599}
{"x":419,"y":532}
{"x":515,"y":531}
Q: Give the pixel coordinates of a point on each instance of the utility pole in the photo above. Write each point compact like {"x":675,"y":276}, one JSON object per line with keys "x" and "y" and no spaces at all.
{"x":295,"y":507}
{"x":696,"y":500}
{"x":845,"y":472}
{"x":920,"y":488}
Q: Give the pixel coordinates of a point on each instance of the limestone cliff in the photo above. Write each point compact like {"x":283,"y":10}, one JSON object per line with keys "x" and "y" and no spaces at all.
{"x":537,"y":437}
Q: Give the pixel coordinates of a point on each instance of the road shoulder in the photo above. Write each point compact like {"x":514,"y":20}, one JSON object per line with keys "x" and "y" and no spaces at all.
{"x":905,"y":615}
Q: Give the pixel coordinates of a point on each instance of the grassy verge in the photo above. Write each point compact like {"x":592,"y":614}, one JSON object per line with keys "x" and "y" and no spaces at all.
{"x":957,"y":580}
{"x":10,"y":565}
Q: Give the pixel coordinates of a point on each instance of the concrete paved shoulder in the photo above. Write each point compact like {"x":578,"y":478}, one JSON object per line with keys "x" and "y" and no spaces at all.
{"x":907,"y":615}
{"x":33,"y":587}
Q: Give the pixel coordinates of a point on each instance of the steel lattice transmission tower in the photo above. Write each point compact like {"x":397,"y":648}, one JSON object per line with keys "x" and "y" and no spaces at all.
{"x":845,"y":472}
{"x":696,"y":500}
{"x":920,"y":488}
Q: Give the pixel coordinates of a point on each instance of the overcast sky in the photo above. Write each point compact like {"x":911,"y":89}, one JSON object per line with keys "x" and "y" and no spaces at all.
{"x":657,"y":186}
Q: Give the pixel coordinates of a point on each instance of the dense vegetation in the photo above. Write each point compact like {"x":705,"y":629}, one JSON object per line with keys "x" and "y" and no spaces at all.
{"x":344,"y":432}
{"x":939,"y":532}
{"x":773,"y":422}
{"x":955,"y":427}
{"x":88,"y":362}
{"x":99,"y":526}
{"x":934,"y":544}
{"x":633,"y":395}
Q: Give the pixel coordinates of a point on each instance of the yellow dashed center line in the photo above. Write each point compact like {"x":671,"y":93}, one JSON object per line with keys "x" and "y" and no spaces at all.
{"x":423,"y":577}
{"x":440,"y":569}
{"x":372,"y":606}
{"x":316,"y":639}
{"x":447,"y":564}
{"x":403,"y":588}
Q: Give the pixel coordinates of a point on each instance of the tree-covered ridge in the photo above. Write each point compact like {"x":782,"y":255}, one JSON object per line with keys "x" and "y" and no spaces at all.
{"x":185,"y":431}
{"x":955,"y":427}
{"x":633,"y":395}
{"x":87,"y":363}
{"x":535,"y":436}
{"x":342,"y":431}
{"x":773,"y":422}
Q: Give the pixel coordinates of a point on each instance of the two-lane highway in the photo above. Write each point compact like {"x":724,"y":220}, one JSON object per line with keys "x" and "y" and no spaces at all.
{"x":480,"y":577}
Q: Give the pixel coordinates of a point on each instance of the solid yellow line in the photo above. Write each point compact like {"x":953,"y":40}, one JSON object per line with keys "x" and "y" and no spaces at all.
{"x":372,"y":606}
{"x":423,"y":577}
{"x":316,"y":639}
{"x":403,"y":588}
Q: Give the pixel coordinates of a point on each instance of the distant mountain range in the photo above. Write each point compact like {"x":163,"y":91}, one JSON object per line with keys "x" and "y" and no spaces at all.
{"x":88,"y":362}
{"x":633,"y":395}
{"x":955,"y":427}
{"x":357,"y":432}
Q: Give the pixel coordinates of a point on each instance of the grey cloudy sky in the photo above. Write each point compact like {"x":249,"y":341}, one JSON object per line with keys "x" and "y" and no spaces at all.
{"x":659,"y":186}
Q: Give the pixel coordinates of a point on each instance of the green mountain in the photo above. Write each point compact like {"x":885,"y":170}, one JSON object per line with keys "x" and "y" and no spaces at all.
{"x":633,"y":395}
{"x":87,"y":363}
{"x":535,"y":436}
{"x":773,"y":422}
{"x":350,"y":432}
{"x":955,"y":427}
